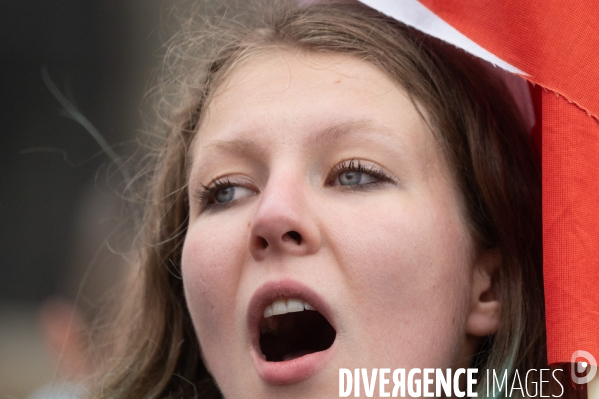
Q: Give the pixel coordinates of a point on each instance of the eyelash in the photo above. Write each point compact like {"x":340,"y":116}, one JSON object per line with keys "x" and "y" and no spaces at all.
{"x":206,"y":194}
{"x":355,"y":166}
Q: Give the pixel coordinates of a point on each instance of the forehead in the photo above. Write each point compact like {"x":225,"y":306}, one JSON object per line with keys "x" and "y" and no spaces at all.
{"x":284,"y":97}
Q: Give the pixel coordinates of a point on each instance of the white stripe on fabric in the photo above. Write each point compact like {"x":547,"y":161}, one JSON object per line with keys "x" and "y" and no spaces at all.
{"x":414,"y":14}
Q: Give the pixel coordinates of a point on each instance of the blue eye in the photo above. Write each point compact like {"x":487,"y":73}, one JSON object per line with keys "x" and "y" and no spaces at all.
{"x":352,"y":178}
{"x":222,"y":192}
{"x":231,"y":193}
{"x":352,"y":174}
{"x":349,"y":178}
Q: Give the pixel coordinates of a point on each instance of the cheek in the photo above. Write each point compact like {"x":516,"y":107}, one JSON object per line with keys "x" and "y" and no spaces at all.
{"x":407,"y":273}
{"x":417,"y":249}
{"x":211,"y":273}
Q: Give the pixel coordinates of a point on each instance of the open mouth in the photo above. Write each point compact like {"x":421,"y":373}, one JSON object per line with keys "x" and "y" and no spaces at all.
{"x":292,"y":328}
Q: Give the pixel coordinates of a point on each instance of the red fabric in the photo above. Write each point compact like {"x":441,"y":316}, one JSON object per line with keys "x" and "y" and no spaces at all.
{"x":556,"y":43}
{"x":570,"y":228}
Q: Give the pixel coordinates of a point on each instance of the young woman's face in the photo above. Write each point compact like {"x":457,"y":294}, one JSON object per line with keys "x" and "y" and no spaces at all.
{"x":316,"y":184}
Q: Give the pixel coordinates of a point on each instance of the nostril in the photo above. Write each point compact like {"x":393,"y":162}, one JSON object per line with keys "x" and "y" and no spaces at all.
{"x":262,"y":243}
{"x":295,"y":236}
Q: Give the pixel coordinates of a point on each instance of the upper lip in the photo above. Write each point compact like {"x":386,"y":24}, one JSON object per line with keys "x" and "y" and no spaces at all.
{"x":283,"y":289}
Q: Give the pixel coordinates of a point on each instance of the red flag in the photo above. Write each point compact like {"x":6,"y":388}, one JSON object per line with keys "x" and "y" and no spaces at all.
{"x":554,"y":44}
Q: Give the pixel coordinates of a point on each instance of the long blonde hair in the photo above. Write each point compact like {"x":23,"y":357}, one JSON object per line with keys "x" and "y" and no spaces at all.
{"x":470,"y":112}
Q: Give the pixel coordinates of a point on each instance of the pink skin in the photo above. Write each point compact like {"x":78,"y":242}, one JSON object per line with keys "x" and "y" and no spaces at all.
{"x":394,"y":262}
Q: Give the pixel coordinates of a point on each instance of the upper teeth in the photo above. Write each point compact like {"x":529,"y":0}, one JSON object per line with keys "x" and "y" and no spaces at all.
{"x":283,"y":306}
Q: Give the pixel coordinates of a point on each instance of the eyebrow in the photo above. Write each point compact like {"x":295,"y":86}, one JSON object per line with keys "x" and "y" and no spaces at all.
{"x":250,"y":149}
{"x":236,"y":147}
{"x":335,"y":132}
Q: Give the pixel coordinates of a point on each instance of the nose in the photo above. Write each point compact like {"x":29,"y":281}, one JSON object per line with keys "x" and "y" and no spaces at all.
{"x":283,"y":223}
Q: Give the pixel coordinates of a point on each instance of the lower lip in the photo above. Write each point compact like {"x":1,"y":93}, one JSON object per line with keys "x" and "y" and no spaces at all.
{"x":291,"y":371}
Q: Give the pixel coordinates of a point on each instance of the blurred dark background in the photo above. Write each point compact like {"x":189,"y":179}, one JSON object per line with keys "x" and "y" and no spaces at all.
{"x":98,"y":53}
{"x":101,"y":55}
